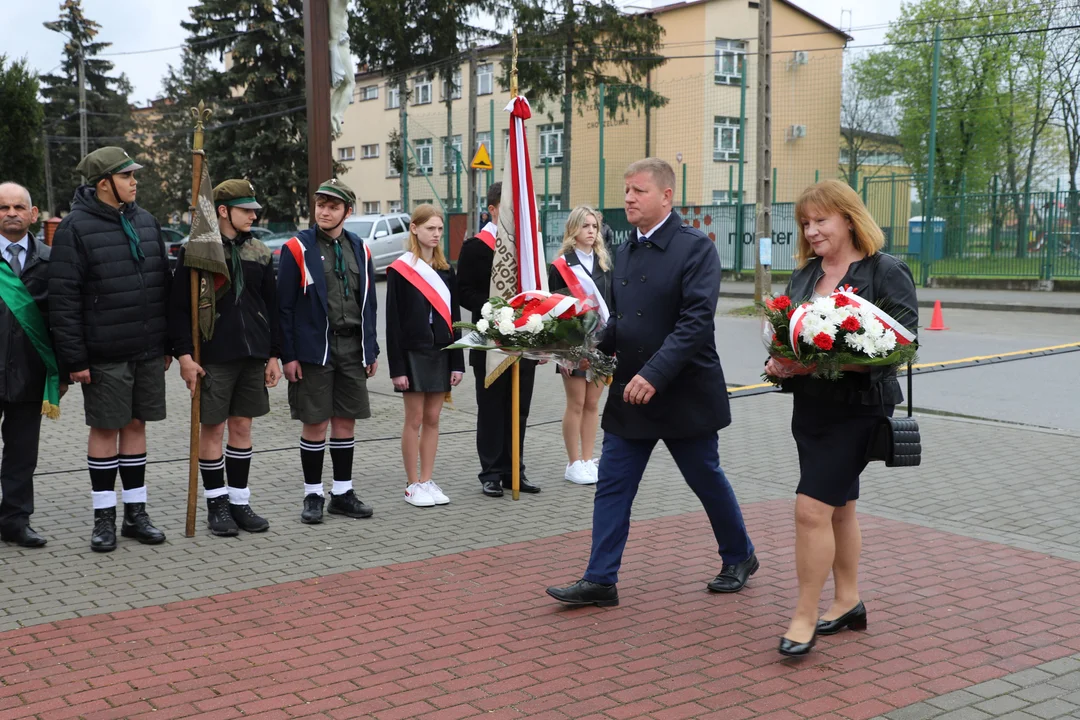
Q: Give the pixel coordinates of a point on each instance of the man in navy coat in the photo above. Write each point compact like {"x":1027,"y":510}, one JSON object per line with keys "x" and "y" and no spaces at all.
{"x":668,"y":386}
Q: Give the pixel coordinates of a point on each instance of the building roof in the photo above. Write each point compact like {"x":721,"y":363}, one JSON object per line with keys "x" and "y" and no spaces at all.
{"x":793,"y":6}
{"x":877,"y":137}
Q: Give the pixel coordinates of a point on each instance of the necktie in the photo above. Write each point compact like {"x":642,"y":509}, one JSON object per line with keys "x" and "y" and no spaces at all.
{"x":13,"y":252}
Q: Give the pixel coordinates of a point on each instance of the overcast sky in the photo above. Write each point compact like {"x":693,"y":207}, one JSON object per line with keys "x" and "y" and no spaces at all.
{"x":151,"y":25}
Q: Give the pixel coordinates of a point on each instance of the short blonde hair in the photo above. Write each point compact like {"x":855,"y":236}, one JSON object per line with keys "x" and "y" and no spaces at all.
{"x":661,"y":172}
{"x":421,"y":215}
{"x":833,"y":196}
{"x":574,"y":223}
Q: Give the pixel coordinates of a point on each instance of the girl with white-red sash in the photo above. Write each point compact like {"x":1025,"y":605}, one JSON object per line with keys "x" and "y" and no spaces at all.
{"x":421,"y":308}
{"x":583,"y":269}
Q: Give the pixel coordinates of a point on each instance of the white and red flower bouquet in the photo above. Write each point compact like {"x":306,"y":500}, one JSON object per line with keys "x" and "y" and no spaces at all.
{"x":831,"y":332}
{"x":541,"y":326}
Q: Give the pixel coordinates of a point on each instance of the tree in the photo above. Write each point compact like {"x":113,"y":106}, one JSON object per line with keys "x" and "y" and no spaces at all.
{"x":1064,"y":62}
{"x":867,"y":125}
{"x":21,"y":150}
{"x":108,"y":114}
{"x":259,"y":129}
{"x":573,"y":47}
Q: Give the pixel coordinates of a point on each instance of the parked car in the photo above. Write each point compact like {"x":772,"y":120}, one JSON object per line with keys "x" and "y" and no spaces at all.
{"x":384,"y":234}
{"x":276,"y":242}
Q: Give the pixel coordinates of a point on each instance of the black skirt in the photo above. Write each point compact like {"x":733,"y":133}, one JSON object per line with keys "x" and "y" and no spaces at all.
{"x":428,"y":371}
{"x":832,"y":439}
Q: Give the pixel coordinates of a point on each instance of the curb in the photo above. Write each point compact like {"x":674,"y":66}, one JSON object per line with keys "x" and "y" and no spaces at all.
{"x":961,"y":305}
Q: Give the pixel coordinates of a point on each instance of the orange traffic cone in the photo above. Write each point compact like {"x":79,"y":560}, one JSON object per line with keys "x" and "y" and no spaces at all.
{"x":937,"y":322}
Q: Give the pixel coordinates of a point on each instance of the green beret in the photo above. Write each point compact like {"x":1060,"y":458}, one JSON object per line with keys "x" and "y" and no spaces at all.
{"x":338,"y":190}
{"x":236,"y":193}
{"x":106,"y":161}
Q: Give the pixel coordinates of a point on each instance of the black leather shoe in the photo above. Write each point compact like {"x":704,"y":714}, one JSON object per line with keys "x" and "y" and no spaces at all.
{"x":584,"y":592}
{"x":790,"y":648}
{"x":348,"y":504}
{"x":247,"y":520}
{"x":855,"y":618}
{"x":492,"y":488}
{"x":103,"y":538}
{"x":313,"y":507}
{"x":523,"y":485}
{"x":137,"y":525}
{"x":219,"y":518}
{"x":23,"y":536}
{"x":732,"y":578}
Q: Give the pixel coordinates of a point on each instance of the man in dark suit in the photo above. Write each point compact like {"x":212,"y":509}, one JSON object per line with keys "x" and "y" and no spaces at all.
{"x":22,"y":369}
{"x":668,"y":386}
{"x":493,"y":404}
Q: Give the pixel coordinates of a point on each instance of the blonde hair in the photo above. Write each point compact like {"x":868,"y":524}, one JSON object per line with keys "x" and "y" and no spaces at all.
{"x":574,"y":223}
{"x":660,"y":170}
{"x":833,"y":196}
{"x":421,"y":215}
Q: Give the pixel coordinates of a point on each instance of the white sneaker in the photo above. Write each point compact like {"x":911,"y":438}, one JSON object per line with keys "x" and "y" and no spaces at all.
{"x":593,"y":466}
{"x":416,"y":494}
{"x":579,"y":474}
{"x":435,"y":493}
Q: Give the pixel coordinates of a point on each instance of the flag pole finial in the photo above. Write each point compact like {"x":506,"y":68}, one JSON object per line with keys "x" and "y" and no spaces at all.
{"x":200,"y":114}
{"x":513,"y":66}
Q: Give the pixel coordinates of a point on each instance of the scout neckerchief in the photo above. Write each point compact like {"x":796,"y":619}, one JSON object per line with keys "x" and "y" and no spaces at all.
{"x":339,"y":261}
{"x":236,"y":267}
{"x":18,"y":300}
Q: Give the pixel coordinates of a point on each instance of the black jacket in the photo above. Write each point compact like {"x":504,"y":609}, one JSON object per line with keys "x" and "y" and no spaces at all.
{"x":601,"y":277}
{"x":883,"y":280}
{"x":664,"y":294}
{"x":408,"y":326}
{"x":104,"y":305}
{"x":474,"y":284}
{"x":22,"y":373}
{"x":246,"y":327}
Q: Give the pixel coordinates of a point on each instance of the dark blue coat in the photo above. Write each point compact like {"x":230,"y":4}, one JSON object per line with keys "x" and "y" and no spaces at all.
{"x":304,"y":315}
{"x":664,"y":294}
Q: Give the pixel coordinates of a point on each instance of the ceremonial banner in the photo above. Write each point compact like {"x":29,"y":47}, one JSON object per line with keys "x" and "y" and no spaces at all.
{"x":204,"y":253}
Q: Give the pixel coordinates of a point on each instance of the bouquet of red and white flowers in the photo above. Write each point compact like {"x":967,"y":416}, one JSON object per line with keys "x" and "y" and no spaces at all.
{"x":540,"y":326}
{"x":831,"y":332}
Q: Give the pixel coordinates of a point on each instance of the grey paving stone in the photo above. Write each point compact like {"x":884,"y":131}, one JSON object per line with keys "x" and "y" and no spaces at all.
{"x":1053,"y":709}
{"x":1001,"y":705}
{"x":1040,"y":692}
{"x":992,"y":688}
{"x":917,"y":711}
{"x":1031,"y":676}
{"x":953,"y":700}
{"x":1068,"y":681}
{"x":967,"y":713}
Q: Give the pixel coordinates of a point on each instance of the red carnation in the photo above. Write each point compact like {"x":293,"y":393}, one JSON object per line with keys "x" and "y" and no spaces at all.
{"x":851,"y":323}
{"x":842,"y":301}
{"x":778,"y":303}
{"x":823,"y":341}
{"x":790,"y":312}
{"x":777,"y":341}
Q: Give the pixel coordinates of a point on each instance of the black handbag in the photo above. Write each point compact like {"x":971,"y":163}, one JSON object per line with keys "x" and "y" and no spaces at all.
{"x":897,"y":441}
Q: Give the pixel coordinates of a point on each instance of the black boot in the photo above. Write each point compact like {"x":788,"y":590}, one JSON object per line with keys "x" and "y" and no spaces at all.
{"x":246,"y":519}
{"x":137,"y":525}
{"x":313,"y":509}
{"x":219,"y":518}
{"x":104,"y":537}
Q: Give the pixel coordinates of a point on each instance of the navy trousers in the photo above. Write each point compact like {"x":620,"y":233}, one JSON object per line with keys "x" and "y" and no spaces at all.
{"x":621,"y":467}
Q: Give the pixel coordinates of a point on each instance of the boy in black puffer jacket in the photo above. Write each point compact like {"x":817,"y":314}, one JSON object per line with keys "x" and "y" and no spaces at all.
{"x":108,"y":292}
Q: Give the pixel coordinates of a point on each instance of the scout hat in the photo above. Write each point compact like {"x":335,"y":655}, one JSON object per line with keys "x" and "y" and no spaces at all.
{"x":237,"y":194}
{"x":338,"y":190}
{"x":106,"y":161}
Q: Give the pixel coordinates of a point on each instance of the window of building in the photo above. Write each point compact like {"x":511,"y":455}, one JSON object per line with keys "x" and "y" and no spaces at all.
{"x":369,"y":151}
{"x":391,"y":171}
{"x":422,"y":201}
{"x":371,"y":207}
{"x":421,"y":90}
{"x":551,"y":202}
{"x":425,"y":159}
{"x":729,"y":60}
{"x":451,"y":150}
{"x":370,"y":92}
{"x":346,"y":153}
{"x":722,"y":197}
{"x":455,"y":92}
{"x":551,"y":143}
{"x":393,"y":98}
{"x":725,"y":139}
{"x":393,"y":206}
{"x":485,"y":79}
{"x":872,"y":157}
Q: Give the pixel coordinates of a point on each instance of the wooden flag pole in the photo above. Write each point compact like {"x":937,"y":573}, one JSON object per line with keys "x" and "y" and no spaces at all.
{"x":201,"y":114}
{"x":515,"y":370}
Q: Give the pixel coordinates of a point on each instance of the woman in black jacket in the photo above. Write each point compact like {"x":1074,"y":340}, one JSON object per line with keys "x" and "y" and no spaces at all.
{"x":583,"y":269}
{"x":421,"y":308}
{"x":839,"y":245}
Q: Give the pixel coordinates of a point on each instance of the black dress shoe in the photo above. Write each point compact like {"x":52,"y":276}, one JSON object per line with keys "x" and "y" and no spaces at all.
{"x":523,"y":485}
{"x":855,"y":618}
{"x":492,"y":488}
{"x":23,"y":536}
{"x":584,"y":592}
{"x":732,"y":578}
{"x":790,"y":648}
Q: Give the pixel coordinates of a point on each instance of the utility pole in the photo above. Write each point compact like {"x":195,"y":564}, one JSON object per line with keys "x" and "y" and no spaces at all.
{"x":48,"y":173}
{"x":317,"y":84}
{"x":928,"y":230}
{"x":763,"y":264}
{"x":471,"y":216}
{"x":403,"y":117}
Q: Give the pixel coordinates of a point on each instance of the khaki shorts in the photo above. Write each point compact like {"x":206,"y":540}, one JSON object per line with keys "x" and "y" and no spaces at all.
{"x":337,"y":389}
{"x":120,"y":392}
{"x":233,"y":389}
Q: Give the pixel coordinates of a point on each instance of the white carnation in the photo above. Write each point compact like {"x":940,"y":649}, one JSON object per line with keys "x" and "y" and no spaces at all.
{"x":486,"y":311}
{"x":506,"y":314}
{"x":534,"y":324}
{"x":483,"y":325}
{"x":506,"y":327}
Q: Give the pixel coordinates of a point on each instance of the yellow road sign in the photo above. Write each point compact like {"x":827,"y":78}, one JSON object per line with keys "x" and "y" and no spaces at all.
{"x":481,"y":160}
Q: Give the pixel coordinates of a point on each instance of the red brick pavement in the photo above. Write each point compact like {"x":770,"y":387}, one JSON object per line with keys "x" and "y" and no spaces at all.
{"x":472,"y":635}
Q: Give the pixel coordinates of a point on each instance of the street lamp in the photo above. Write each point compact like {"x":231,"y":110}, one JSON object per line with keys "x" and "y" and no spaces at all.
{"x":56,"y":27}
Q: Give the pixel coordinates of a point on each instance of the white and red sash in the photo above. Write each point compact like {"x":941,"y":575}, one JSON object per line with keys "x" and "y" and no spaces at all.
{"x":487,"y":235}
{"x":296,"y":248}
{"x":903,"y":335}
{"x":548,"y":305}
{"x":580,"y":283}
{"x":424,"y":278}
